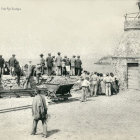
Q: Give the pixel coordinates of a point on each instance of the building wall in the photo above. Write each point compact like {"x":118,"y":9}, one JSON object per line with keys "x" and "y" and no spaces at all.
{"x":120,"y":70}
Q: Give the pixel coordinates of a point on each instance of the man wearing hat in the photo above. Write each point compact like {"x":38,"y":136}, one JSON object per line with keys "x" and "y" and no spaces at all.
{"x":59,"y":64}
{"x":72,"y":61}
{"x":39,"y":113}
{"x":18,"y":72}
{"x":1,"y":65}
{"x":78,"y":66}
{"x":49,"y":61}
{"x":42,"y":63}
{"x":12,"y":62}
{"x":107,"y":81}
{"x":28,"y":75}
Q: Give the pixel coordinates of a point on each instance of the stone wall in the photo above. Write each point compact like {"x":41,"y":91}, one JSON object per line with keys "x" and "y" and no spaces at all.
{"x":128,"y":51}
{"x":120,"y":70}
{"x":129,"y":45}
{"x":132,"y":24}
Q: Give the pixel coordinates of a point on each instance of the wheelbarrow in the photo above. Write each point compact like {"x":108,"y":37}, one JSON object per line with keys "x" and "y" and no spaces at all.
{"x":59,"y":92}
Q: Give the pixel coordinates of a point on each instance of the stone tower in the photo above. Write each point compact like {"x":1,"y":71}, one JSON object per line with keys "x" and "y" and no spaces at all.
{"x":126,"y":59}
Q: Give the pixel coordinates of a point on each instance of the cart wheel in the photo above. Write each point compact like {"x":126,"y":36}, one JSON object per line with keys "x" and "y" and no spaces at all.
{"x":65,"y":99}
{"x":32,"y":95}
{"x":17,"y":96}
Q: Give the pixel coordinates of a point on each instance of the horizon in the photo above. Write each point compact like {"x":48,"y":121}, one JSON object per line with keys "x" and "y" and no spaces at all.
{"x":91,"y":29}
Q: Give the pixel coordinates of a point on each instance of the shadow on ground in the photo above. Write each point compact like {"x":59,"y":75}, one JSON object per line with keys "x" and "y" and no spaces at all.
{"x":65,"y":101}
{"x":51,"y":132}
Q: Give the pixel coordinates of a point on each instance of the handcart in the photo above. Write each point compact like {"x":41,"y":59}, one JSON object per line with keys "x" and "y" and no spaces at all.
{"x":58,"y":91}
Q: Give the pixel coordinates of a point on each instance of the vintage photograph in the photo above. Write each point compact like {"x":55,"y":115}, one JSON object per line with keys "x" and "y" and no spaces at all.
{"x":69,"y":69}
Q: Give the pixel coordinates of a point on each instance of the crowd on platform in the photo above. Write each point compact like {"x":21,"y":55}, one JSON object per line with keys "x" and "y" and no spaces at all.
{"x":94,"y":84}
{"x":51,"y":65}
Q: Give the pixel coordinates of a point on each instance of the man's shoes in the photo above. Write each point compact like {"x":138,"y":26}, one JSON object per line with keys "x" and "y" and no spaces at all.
{"x":45,"y":136}
{"x":32,"y":133}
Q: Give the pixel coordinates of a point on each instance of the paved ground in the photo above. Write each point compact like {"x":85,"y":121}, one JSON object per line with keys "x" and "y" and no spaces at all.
{"x":100,"y":118}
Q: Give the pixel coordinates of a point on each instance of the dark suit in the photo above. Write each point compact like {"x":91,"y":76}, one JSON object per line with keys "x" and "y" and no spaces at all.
{"x":49,"y":61}
{"x":1,"y":65}
{"x":78,"y":64}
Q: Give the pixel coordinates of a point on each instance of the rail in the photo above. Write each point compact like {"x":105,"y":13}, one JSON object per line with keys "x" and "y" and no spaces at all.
{"x":132,"y":16}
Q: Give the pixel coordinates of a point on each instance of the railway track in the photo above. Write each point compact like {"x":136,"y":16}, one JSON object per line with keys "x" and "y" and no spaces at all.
{"x":15,"y":109}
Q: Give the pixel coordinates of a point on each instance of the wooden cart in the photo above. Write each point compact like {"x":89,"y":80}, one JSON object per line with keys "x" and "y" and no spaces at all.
{"x":54,"y":91}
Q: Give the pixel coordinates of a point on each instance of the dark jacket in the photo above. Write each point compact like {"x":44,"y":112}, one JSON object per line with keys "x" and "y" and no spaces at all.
{"x":78,"y":63}
{"x":67,"y":62}
{"x":12,"y":61}
{"x":1,"y":62}
{"x":17,"y":69}
{"x":49,"y":61}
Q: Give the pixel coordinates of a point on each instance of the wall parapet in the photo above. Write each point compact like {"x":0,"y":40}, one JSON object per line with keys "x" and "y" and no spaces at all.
{"x":132,"y":25}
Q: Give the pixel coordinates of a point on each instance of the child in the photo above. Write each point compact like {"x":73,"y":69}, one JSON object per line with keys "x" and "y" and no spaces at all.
{"x":85,"y":86}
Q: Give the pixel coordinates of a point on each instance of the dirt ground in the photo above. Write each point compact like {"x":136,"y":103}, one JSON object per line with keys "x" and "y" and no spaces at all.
{"x":100,"y":118}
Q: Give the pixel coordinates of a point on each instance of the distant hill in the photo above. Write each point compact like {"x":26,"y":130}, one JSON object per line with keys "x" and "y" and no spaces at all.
{"x":106,"y":60}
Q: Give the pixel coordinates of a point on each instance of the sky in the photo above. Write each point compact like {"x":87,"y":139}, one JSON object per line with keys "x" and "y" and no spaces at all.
{"x":88,"y":28}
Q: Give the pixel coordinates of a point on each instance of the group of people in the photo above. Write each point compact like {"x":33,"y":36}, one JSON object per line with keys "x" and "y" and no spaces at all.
{"x":92,"y":84}
{"x":11,"y":67}
{"x":61,"y":66}
{"x":50,"y":65}
{"x":97,"y":83}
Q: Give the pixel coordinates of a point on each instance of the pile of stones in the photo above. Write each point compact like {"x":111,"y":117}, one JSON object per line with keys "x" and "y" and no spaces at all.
{"x":9,"y":82}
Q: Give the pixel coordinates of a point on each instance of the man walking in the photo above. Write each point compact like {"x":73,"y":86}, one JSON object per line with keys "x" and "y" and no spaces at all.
{"x":72,"y":61}
{"x":12,"y":62}
{"x":49,"y":61}
{"x":39,"y":112}
{"x":1,"y":65}
{"x":59,"y":64}
{"x":78,"y":64}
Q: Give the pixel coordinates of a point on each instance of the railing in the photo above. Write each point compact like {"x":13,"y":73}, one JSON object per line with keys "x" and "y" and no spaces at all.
{"x":132,"y":21}
{"x":132,"y":16}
